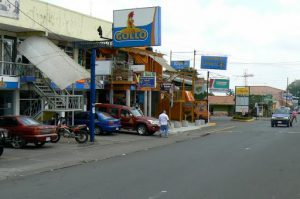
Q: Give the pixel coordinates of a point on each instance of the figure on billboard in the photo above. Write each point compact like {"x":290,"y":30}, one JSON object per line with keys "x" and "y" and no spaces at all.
{"x":130,"y":20}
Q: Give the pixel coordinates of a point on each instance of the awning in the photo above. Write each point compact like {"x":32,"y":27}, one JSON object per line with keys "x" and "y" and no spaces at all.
{"x":163,"y":63}
{"x":52,"y":61}
{"x":159,"y":60}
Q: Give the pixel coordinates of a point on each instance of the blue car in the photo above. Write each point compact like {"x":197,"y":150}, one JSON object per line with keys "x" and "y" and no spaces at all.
{"x":104,"y":123}
{"x":281,"y":116}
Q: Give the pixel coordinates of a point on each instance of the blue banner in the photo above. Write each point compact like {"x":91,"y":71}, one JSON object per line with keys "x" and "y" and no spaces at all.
{"x":178,"y":65}
{"x":214,"y":62}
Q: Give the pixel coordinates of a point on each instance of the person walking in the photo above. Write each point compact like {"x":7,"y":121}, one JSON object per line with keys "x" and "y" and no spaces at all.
{"x":294,"y":116}
{"x":163,"y":121}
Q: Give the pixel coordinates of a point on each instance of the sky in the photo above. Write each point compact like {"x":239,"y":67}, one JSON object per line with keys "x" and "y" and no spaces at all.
{"x":260,"y":37}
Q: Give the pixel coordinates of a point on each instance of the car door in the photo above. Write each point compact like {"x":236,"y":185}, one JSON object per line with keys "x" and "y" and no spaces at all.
{"x":126,"y":119}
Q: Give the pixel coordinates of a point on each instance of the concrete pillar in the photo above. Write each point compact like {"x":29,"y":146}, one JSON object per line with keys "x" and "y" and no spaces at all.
{"x":127,"y":97}
{"x":145,"y":103}
{"x":75,"y":54}
{"x":16,"y":102}
{"x":111,"y":96}
{"x":150,"y":103}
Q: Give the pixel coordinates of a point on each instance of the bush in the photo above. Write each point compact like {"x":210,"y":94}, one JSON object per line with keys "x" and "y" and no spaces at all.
{"x":242,"y":117}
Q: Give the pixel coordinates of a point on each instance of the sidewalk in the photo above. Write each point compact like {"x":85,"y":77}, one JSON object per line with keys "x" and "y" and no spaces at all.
{"x":67,"y":152}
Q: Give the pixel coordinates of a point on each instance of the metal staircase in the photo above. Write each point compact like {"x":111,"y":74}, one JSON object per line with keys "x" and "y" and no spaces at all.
{"x":51,"y":100}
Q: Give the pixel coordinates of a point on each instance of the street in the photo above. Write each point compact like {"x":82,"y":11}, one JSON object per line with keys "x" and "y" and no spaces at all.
{"x":235,"y":160}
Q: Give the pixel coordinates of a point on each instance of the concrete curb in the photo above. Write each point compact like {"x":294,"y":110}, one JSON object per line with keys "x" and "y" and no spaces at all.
{"x":249,"y":120}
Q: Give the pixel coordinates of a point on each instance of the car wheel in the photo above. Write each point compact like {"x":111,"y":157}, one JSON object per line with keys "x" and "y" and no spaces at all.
{"x":142,"y":129}
{"x":98,"y":130}
{"x":39,"y":144}
{"x":1,"y":150}
{"x":17,"y":142}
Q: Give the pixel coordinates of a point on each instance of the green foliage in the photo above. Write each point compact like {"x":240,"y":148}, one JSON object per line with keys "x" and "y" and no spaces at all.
{"x":294,"y":88}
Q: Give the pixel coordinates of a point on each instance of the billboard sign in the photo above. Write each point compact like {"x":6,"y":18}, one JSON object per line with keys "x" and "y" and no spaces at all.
{"x":219,"y":84}
{"x":137,"y":27}
{"x":178,"y":65}
{"x":242,"y":99}
{"x":10,"y":8}
{"x":214,"y":62}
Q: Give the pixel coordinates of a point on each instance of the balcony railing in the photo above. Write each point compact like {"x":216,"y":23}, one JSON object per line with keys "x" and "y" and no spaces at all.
{"x":18,"y":69}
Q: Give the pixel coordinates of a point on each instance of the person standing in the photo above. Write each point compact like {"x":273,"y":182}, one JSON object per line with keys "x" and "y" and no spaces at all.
{"x":163,"y":121}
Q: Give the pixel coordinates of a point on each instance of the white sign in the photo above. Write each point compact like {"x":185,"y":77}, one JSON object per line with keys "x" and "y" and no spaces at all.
{"x":241,"y":109}
{"x":137,"y":68}
{"x":241,"y":101}
{"x":103,"y":67}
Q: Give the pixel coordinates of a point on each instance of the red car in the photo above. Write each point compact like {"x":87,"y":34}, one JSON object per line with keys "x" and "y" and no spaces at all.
{"x":23,"y":130}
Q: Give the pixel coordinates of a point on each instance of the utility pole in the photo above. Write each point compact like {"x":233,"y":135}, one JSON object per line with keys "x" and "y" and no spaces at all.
{"x":245,"y":76}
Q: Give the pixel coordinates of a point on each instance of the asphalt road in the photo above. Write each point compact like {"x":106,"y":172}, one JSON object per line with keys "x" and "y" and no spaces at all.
{"x":239,"y":161}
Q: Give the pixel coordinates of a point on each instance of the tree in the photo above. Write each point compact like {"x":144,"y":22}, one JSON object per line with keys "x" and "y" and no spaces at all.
{"x":294,"y":88}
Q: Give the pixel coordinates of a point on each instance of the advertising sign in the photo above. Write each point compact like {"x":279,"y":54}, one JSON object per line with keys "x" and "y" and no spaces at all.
{"x":9,"y":83}
{"x":137,"y":27}
{"x":214,"y":62}
{"x":242,"y":91}
{"x":178,"y":65}
{"x":242,"y":99}
{"x":219,"y":84}
{"x":147,"y":82}
{"x":200,"y":109}
{"x":9,"y":8}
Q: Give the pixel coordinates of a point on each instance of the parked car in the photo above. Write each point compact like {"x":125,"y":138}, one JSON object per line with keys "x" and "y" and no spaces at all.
{"x":104,"y":123}
{"x":3,"y":135}
{"x":131,"y":118}
{"x":23,"y":130}
{"x":281,"y":116}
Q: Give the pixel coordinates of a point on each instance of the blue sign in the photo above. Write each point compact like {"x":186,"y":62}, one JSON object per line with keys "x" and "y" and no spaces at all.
{"x":147,"y":82}
{"x":214,"y":62}
{"x":9,"y":85}
{"x":178,"y":65}
{"x":137,"y":27}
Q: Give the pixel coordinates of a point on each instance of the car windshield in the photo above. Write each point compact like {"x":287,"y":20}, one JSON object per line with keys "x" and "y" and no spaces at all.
{"x":282,"y":111}
{"x":28,"y":121}
{"x":105,"y":115}
{"x":136,"y":112}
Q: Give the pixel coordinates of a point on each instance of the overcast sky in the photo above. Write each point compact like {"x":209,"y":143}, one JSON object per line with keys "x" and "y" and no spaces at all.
{"x":260,"y":36}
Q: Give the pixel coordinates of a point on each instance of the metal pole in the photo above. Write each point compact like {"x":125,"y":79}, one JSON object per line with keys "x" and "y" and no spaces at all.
{"x":92,"y":96}
{"x":207,"y":107}
{"x":193,"y":83}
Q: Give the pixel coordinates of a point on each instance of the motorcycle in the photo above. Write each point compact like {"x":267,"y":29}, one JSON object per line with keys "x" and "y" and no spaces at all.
{"x":79,"y":132}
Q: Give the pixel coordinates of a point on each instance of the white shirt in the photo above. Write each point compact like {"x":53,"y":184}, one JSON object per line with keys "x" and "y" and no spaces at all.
{"x":163,"y":119}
